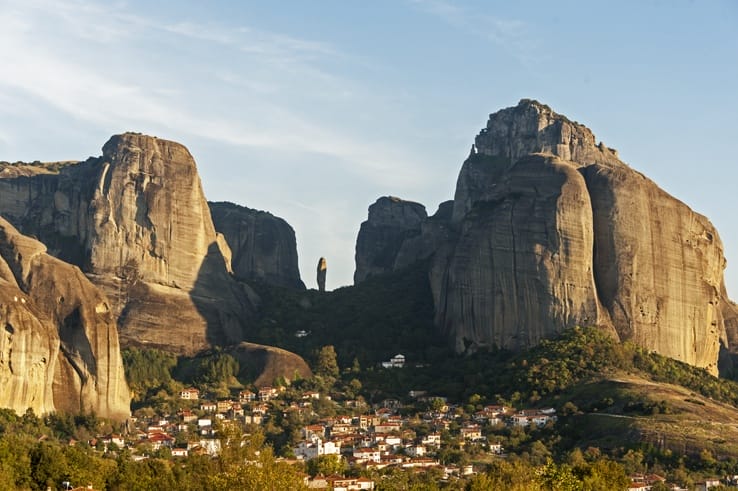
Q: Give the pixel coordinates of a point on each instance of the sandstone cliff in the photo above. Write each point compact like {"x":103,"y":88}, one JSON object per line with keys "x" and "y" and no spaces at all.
{"x":263,"y":246}
{"x":550,"y":229}
{"x":391,"y":221}
{"x":59,"y":346}
{"x":137,"y":222}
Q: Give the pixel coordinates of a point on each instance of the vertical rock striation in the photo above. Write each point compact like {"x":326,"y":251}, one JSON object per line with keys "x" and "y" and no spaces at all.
{"x":263,"y":246}
{"x":59,"y":346}
{"x":391,"y":221}
{"x":549,"y":229}
{"x":137,"y":222}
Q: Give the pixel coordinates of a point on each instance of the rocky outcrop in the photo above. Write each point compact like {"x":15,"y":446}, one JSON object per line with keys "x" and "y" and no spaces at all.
{"x":391,"y":222}
{"x":263,"y":246}
{"x":59,"y":346}
{"x":265,"y":364}
{"x":521,"y":270}
{"x":550,"y":229}
{"x":321,"y":273}
{"x":137,"y":222}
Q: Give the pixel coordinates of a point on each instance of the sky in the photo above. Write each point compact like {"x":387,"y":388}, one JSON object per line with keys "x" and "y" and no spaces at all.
{"x":313,"y":110}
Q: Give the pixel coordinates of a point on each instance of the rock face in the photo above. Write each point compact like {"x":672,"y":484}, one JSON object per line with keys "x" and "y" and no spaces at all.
{"x":263,"y":246}
{"x":391,"y":221}
{"x":59,"y":346}
{"x":550,"y":229}
{"x":137,"y":222}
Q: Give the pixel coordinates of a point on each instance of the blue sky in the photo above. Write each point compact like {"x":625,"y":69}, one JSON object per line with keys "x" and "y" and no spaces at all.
{"x":313,"y":110}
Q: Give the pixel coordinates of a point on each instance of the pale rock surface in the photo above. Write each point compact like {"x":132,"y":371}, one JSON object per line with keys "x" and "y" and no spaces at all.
{"x":522,"y":270}
{"x":137,"y":222}
{"x":572,"y":235}
{"x":59,"y":347}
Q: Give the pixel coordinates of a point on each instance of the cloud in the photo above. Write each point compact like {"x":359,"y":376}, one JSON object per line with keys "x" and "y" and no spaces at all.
{"x":510,"y":34}
{"x":111,"y":83}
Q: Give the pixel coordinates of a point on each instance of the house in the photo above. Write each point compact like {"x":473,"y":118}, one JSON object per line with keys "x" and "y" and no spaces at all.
{"x":313,"y":430}
{"x":187,"y":416}
{"x":246,"y":396}
{"x":495,"y":448}
{"x":208,"y":407}
{"x":180,"y":452}
{"x":472,"y":433}
{"x":433,"y":440}
{"x":340,"y":483}
{"x":267,"y":393}
{"x":387,"y":427}
{"x":397,"y":361}
{"x":159,"y":440}
{"x":368,"y":454}
{"x":708,"y":483}
{"x":311,"y":394}
{"x":115,"y":439}
{"x":528,"y":417}
{"x":415,"y":450}
{"x":315,"y":447}
{"x":224,"y":406}
{"x":190,"y":394}
{"x":236,"y":409}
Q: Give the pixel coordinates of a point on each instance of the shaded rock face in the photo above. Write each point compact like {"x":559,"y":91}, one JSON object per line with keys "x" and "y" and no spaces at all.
{"x":59,"y":346}
{"x":549,"y":229}
{"x":137,"y":222}
{"x":321,"y":273}
{"x":266,"y":364}
{"x":263,"y":246}
{"x":391,"y":221}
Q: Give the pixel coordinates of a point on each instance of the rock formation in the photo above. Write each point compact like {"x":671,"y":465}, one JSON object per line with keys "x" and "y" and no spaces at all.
{"x":265,"y":364}
{"x":137,"y":222}
{"x":59,"y":346}
{"x":263,"y":246}
{"x":550,"y":229}
{"x":391,"y":221}
{"x":321,"y":273}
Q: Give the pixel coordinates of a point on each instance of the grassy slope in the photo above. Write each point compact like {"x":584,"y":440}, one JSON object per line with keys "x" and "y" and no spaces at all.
{"x":693,"y":422}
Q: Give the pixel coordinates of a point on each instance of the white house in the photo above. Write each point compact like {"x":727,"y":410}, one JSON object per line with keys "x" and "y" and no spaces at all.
{"x":397,"y":361}
{"x":315,"y":447}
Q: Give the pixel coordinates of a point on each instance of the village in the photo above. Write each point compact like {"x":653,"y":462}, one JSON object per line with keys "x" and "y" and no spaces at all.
{"x":363,"y":437}
{"x":357,"y":441}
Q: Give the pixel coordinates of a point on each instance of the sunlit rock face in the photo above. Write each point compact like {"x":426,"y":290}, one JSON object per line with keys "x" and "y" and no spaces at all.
{"x":137,"y":222}
{"x":59,"y":347}
{"x":549,"y":229}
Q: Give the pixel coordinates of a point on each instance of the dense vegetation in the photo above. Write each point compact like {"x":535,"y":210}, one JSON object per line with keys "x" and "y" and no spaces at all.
{"x":369,"y":322}
{"x":36,"y":454}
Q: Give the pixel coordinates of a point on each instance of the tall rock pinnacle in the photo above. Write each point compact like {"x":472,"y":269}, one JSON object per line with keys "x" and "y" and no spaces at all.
{"x":321,"y":273}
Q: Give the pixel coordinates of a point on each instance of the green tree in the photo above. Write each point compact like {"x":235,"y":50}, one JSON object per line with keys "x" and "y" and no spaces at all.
{"x":326,"y":465}
{"x":48,"y":465}
{"x":246,"y":463}
{"x":327,"y":362}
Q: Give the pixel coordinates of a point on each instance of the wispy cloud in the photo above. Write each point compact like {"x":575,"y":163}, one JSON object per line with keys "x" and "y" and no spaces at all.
{"x":511,"y":34}
{"x":119,"y":95}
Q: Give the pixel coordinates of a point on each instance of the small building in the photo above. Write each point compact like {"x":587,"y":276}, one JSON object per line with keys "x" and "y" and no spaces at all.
{"x":397,"y":361}
{"x":246,"y":396}
{"x":208,"y":407}
{"x":190,"y":394}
